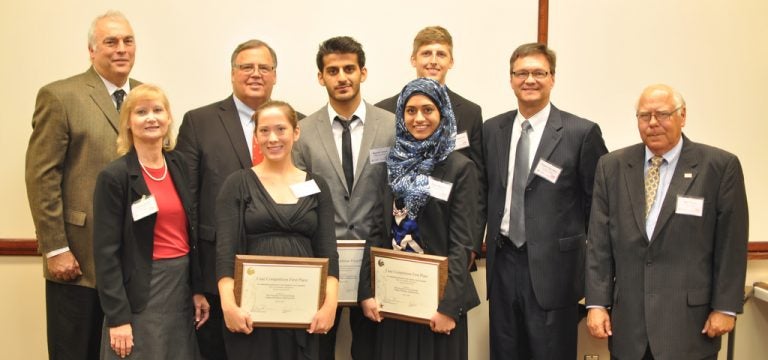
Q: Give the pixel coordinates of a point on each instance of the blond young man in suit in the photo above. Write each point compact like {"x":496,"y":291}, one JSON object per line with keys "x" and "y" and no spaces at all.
{"x":432,"y":57}
{"x":341,"y":70}
{"x":73,"y":138}
{"x":667,"y":243}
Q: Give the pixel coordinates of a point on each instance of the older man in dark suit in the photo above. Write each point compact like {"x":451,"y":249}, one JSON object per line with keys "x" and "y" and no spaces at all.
{"x":217,"y":140}
{"x":540,"y":164}
{"x":667,"y":243}
{"x":74,"y":132}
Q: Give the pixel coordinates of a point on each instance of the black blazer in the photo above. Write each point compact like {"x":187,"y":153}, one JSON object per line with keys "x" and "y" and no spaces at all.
{"x":122,"y":247}
{"x":213,"y":144}
{"x":446,"y":229}
{"x":469,"y":119}
{"x":556,"y":215}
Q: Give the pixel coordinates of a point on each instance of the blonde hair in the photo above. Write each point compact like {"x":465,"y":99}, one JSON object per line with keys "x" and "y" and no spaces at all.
{"x":431,"y":35}
{"x":139,"y":93}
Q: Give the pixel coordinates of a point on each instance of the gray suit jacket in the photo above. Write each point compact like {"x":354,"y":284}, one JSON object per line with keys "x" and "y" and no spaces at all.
{"x":316,"y":152}
{"x":661,"y":291}
{"x":556,"y":215}
{"x":74,"y":129}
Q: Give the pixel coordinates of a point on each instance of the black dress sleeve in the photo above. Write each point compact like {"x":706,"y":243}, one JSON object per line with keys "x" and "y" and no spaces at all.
{"x":324,"y":239}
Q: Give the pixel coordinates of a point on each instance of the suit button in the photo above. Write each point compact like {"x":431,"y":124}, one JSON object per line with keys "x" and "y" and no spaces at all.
{"x":346,"y":197}
{"x":351,"y":227}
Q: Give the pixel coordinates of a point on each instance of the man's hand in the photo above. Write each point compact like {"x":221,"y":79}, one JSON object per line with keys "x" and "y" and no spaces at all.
{"x":718,"y":324}
{"x":64,"y":267}
{"x":599,"y":323}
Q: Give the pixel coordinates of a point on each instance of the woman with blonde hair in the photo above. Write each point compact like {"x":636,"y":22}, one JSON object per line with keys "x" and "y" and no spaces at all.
{"x":145,"y":245}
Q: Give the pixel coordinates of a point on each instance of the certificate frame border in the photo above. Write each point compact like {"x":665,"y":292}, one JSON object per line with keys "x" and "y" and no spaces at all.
{"x":442,"y":276}
{"x":350,"y":244}
{"x":241,"y":260}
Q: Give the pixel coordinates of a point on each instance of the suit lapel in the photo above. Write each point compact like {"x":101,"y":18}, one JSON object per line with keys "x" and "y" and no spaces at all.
{"x":684,"y":175}
{"x":102,"y":99}
{"x":137,"y":183}
{"x":634,"y":179}
{"x":549,"y":139}
{"x":504,"y":136}
{"x":230,"y":120}
{"x":325,"y":132}
{"x":370,"y":129}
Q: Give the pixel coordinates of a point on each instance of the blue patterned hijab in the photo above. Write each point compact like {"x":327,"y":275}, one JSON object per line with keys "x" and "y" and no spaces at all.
{"x":411,"y":161}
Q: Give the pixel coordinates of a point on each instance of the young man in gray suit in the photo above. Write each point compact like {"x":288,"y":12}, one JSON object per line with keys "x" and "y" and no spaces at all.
{"x":432,"y":57}
{"x":346,"y":143}
{"x":540,"y":168}
{"x":217,"y":140}
{"x":667,"y":245}
{"x":74,"y":129}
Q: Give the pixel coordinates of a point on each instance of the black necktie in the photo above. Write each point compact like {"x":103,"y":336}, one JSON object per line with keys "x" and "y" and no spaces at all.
{"x":519,"y":179}
{"x":119,"y":95}
{"x":346,"y":151}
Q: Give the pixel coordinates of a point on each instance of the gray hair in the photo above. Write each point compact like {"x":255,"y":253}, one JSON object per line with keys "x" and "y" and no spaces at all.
{"x":110,"y":14}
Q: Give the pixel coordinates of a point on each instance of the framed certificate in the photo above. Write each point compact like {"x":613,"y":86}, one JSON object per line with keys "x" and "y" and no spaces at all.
{"x":350,"y":259}
{"x":408,"y":286}
{"x":280,"y":291}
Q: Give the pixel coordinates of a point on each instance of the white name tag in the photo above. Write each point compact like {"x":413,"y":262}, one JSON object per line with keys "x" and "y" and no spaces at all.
{"x":306,"y":188}
{"x":438,"y":189}
{"x":143,"y":207}
{"x":689,"y":205}
{"x":378,"y":155}
{"x":462,"y":141}
{"x":547,"y":171}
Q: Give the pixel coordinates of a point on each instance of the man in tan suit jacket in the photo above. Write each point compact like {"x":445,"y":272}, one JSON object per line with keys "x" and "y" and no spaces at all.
{"x":74,"y":131}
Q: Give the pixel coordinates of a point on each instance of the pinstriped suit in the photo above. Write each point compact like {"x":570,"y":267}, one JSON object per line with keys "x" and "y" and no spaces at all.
{"x":664,"y":289}
{"x":556,"y":218}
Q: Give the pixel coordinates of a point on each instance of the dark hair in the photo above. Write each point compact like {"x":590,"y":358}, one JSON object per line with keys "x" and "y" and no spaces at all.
{"x":340,"y":45}
{"x":253,"y":44}
{"x":534,"y":49}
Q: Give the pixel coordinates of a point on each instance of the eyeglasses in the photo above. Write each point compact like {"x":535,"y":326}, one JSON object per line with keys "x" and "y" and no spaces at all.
{"x":523,"y":75}
{"x":250,"y":68}
{"x":659,"y":115}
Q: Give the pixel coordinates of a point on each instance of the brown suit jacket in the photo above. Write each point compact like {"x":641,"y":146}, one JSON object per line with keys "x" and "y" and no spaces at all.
{"x":74,"y":129}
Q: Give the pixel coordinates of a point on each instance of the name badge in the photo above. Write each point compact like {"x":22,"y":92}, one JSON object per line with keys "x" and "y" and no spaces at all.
{"x":547,"y":171}
{"x":143,"y":207}
{"x":687,"y":205}
{"x":306,"y":188}
{"x":378,"y":155}
{"x":439,"y":189}
{"x":462,"y":141}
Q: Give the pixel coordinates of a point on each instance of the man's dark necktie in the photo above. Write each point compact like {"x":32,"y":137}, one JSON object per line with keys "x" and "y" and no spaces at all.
{"x":119,"y":95}
{"x":346,"y":151}
{"x":519,"y":179}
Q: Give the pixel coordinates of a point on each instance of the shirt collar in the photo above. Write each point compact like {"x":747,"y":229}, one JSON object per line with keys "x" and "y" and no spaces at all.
{"x":538,"y":121}
{"x":111,"y":88}
{"x":243,"y":110}
{"x":359,"y":112}
{"x":670,"y":156}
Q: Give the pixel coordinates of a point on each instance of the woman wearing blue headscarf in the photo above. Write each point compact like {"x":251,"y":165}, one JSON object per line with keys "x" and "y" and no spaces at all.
{"x":430,"y":208}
